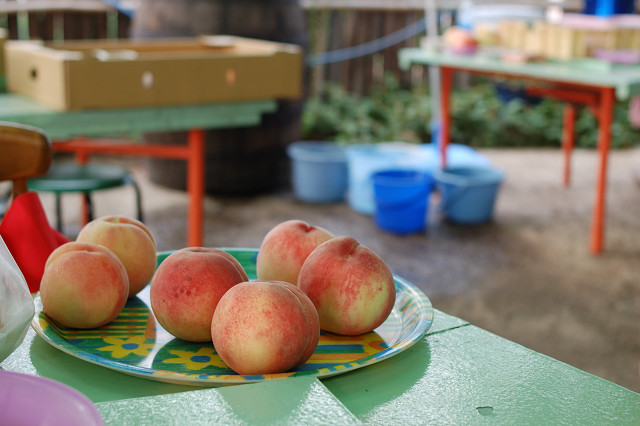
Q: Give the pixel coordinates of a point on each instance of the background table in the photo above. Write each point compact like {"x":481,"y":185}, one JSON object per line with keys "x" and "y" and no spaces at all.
{"x":76,"y":131}
{"x":457,"y":374}
{"x":575,"y":83}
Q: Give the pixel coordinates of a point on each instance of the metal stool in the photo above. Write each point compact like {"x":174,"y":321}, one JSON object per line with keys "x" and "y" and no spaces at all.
{"x":73,"y":177}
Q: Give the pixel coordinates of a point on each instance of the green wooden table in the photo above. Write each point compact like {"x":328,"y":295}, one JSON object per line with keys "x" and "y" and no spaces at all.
{"x":83,"y":133}
{"x":586,"y":82}
{"x":456,"y":374}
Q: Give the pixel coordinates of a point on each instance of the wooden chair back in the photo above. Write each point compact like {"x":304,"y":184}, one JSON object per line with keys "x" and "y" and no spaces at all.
{"x":25,"y":152}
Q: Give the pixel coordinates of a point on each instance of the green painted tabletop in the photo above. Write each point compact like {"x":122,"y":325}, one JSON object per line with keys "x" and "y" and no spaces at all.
{"x":467,"y":375}
{"x":624,"y":78}
{"x":105,"y":122}
{"x":457,"y":374}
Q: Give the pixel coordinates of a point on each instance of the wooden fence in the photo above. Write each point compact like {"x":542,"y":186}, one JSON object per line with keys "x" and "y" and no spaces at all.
{"x":353,"y":30}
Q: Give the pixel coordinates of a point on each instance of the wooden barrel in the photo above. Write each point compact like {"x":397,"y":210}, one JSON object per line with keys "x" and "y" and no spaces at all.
{"x":238,"y":161}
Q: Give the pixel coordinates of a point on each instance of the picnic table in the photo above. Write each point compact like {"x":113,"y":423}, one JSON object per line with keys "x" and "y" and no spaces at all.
{"x":455,"y":373}
{"x":86,"y":132}
{"x":593,"y":84}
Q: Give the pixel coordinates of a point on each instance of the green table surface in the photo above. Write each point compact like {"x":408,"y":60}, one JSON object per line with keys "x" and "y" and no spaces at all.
{"x":457,"y":374}
{"x":624,"y":78}
{"x":107,"y":122}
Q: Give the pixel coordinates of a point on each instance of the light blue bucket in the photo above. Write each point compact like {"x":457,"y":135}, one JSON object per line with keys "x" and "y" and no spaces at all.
{"x":468,"y":193}
{"x":318,"y":171}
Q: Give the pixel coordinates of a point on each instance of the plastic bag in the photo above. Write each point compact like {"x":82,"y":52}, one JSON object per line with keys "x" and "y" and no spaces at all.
{"x":16,"y":304}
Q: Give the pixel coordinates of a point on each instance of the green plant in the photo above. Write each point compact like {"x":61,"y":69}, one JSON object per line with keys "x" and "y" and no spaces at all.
{"x":389,"y":113}
{"x":478,"y":118}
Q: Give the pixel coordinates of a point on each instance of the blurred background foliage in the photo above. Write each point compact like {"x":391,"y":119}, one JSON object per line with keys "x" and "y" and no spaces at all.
{"x":480,"y":118}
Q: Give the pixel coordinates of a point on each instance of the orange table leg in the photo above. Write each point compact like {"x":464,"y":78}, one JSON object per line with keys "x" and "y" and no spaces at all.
{"x":82,"y":157}
{"x":195,"y":187}
{"x":568,"y":139}
{"x":605,"y":118}
{"x":445,"y":117}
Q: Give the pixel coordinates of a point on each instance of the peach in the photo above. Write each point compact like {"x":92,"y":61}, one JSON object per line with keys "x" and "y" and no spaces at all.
{"x":131,"y":241}
{"x":460,"y":40}
{"x":83,"y":285}
{"x":187,"y":286}
{"x":285,"y":248}
{"x":265,"y":327}
{"x":351,"y":286}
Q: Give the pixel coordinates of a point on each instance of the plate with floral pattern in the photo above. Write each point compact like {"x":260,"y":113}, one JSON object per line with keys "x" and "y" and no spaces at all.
{"x":135,"y":343}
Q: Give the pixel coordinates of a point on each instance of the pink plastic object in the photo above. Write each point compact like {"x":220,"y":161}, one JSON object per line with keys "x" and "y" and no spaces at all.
{"x":626,"y":57}
{"x":32,"y":400}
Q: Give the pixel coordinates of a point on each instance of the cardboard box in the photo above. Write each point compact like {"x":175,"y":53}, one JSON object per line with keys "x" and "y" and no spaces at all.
{"x":535,"y":43}
{"x":76,"y":75}
{"x":512,"y":33}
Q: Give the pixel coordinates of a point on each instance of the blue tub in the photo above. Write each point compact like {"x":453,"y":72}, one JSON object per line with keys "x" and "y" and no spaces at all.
{"x":318,"y":171}
{"x":402,"y":200}
{"x":468,"y":194}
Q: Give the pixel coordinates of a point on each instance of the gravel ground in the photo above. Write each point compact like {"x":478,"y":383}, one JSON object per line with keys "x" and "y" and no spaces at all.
{"x":527,"y":276}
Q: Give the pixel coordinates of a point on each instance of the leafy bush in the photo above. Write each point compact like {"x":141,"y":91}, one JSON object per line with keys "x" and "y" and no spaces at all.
{"x":478,"y":118}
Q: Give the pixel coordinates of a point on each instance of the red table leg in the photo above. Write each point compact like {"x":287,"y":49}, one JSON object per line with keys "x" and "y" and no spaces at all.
{"x":82,"y":157}
{"x":568,"y":139}
{"x":195,"y":187}
{"x":446,"y":80}
{"x":605,"y":118}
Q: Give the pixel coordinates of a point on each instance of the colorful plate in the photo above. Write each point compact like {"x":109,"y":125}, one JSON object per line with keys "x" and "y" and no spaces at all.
{"x":134,"y":343}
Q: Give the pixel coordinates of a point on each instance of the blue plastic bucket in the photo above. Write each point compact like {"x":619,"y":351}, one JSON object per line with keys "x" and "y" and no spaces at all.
{"x":468,"y":193}
{"x":318,"y":171}
{"x":401,"y":200}
{"x":608,"y":7}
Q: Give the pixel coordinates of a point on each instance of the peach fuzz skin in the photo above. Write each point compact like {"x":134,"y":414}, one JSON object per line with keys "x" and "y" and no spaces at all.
{"x":131,"y":241}
{"x":265,"y":327}
{"x":285,"y":248}
{"x":351,"y":286}
{"x":83,"y":286}
{"x":187,"y":286}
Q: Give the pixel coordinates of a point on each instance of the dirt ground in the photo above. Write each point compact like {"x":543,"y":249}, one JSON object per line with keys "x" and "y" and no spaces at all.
{"x":527,"y":276}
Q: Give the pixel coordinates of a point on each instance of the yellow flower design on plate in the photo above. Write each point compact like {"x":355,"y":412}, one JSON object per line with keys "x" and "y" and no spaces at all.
{"x":204,"y":357}
{"x":120,"y":347}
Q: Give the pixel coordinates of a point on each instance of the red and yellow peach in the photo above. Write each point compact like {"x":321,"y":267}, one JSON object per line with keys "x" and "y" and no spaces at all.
{"x":285,"y":248}
{"x":83,"y":285}
{"x":265,"y":327}
{"x":351,"y":286}
{"x":187,"y":287}
{"x":130,"y":240}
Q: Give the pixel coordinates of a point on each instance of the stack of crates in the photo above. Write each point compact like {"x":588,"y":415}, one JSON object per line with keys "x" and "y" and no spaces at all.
{"x":575,"y":36}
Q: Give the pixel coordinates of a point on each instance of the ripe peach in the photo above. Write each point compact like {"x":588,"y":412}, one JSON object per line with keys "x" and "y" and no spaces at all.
{"x":187,"y":286}
{"x":351,"y":286}
{"x":130,"y":240}
{"x":265,"y":327}
{"x":285,"y":248}
{"x":460,"y":40}
{"x":83,"y":286}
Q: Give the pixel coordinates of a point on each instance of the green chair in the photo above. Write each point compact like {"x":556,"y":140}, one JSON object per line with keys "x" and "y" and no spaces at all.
{"x":72,"y":177}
